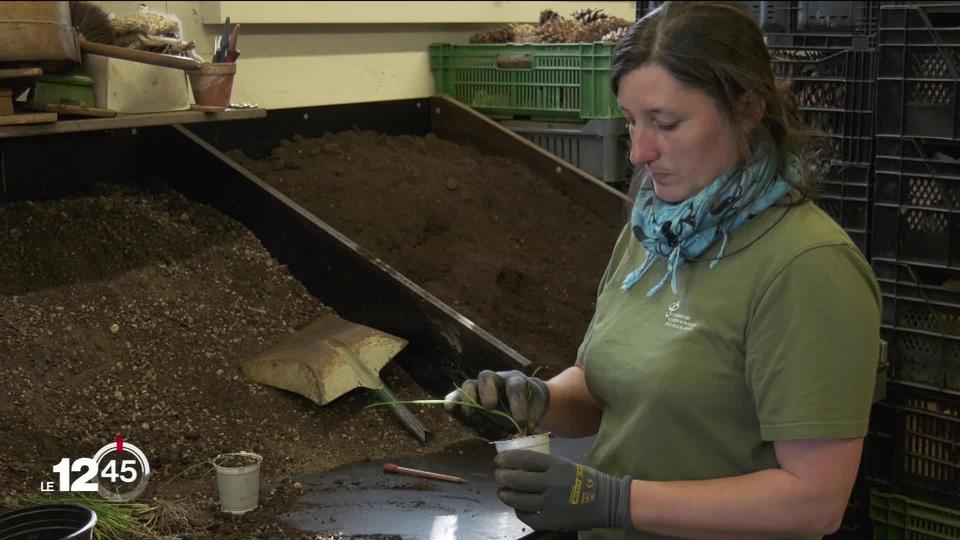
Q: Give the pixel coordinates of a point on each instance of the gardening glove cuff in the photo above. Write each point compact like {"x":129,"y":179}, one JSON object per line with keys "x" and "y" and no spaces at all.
{"x":551,"y":493}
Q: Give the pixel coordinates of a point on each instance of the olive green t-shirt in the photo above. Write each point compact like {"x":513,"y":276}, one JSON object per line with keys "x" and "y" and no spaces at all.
{"x":779,"y":341}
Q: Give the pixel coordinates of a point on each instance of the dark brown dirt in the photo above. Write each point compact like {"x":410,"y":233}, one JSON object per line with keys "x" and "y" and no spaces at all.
{"x":482,"y":233}
{"x":127,"y":311}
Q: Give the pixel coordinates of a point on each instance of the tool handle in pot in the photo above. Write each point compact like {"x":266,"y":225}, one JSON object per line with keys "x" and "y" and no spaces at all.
{"x":143,"y":57}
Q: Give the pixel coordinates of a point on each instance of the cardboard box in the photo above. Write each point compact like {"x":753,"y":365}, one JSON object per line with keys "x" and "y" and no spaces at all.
{"x":132,"y":87}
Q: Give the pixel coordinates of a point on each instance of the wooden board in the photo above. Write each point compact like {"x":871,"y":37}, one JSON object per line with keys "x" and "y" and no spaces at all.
{"x":20,"y":73}
{"x":206,"y":108}
{"x":6,"y":101}
{"x":74,"y":110}
{"x":126,"y":121}
{"x":27,"y":118}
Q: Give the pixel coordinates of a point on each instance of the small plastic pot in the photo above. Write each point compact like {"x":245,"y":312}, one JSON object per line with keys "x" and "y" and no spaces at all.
{"x":48,"y":522}
{"x":538,"y":443}
{"x":238,"y":483}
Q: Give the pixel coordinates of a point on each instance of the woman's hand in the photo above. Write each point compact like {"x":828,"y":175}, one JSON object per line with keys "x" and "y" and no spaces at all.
{"x":525,"y":398}
{"x":554,"y":494}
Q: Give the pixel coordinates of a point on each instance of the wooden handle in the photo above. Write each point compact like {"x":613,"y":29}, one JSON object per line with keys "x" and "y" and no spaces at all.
{"x":20,"y":73}
{"x":232,"y":53}
{"x":143,"y":57}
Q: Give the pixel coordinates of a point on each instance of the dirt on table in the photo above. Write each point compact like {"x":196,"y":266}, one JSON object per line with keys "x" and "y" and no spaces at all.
{"x":127,"y":309}
{"x":484,"y":234}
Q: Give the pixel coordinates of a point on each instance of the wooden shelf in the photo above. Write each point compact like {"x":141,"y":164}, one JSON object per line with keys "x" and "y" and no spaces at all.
{"x":125,"y":121}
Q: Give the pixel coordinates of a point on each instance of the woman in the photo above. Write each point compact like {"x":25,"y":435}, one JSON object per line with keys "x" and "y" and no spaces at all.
{"x":729,"y":367}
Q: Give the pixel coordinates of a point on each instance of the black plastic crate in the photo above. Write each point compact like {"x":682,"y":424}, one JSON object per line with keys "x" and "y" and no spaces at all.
{"x":646,"y":6}
{"x":834,"y":89}
{"x":914,"y":444}
{"x":916,"y":202}
{"x":856,"y":519}
{"x":921,"y":322}
{"x":919,"y":157}
{"x":929,"y":237}
{"x":919,"y":70}
{"x":845,"y":195}
{"x":833,"y":85}
{"x":817,"y":40}
{"x":858,"y":17}
{"x":787,"y":16}
{"x":773,"y":16}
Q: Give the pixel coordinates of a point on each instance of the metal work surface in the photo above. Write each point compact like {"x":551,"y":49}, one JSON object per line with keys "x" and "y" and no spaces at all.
{"x":362,"y":501}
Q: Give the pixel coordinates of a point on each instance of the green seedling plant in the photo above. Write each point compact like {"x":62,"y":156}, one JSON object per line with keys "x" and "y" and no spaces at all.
{"x":136,"y":519}
{"x":470,"y":402}
{"x":207,"y":466}
{"x":148,"y":520}
{"x":115,"y":520}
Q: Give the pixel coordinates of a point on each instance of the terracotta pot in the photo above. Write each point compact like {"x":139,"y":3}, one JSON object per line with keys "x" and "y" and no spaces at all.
{"x":212,"y":84}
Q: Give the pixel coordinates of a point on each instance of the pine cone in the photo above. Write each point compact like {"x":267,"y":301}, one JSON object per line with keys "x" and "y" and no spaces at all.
{"x":614,"y":36}
{"x":589,"y":15}
{"x":548,"y":15}
{"x":596,"y":30}
{"x":523,"y":33}
{"x":503,"y":34}
{"x":148,"y":21}
{"x":560,"y":31}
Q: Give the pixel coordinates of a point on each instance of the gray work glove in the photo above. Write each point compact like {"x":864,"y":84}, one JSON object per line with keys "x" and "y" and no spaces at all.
{"x":525,"y":398}
{"x":550,"y":493}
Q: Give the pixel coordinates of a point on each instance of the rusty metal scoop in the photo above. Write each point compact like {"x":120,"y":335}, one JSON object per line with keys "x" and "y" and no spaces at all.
{"x":328,"y":358}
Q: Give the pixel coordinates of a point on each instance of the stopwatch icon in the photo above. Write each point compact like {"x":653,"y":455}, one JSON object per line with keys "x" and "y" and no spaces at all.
{"x":123,"y":471}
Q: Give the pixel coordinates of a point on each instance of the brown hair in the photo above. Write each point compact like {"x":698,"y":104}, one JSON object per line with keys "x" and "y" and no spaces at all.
{"x":717,"y":48}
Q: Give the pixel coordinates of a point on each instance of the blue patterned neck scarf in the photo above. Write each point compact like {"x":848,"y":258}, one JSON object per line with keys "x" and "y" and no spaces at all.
{"x":683,"y":231}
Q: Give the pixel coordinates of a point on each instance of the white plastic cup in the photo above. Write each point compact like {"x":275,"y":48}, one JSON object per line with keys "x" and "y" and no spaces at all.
{"x":239,"y":487}
{"x":538,"y":443}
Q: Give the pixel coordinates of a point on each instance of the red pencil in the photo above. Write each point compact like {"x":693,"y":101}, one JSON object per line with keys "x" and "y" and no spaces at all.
{"x":392,"y":468}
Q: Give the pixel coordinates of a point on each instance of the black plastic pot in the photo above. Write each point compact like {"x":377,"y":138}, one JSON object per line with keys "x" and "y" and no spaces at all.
{"x":48,"y":522}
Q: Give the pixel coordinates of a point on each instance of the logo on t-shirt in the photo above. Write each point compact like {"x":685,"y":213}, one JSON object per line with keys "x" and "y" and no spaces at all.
{"x":677,"y":320}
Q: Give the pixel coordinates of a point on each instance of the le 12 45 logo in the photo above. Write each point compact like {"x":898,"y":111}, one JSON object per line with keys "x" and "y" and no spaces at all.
{"x":118,"y":472}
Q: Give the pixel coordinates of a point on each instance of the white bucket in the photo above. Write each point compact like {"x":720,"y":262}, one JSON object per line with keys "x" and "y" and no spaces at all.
{"x":239,"y":486}
{"x":538,"y":443}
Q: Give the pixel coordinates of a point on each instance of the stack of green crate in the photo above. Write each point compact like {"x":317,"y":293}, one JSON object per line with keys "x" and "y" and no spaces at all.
{"x":557,"y":95}
{"x":558,"y":82}
{"x":896,"y":517}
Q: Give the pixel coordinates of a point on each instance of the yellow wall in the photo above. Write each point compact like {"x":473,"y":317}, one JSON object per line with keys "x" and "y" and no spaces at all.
{"x":320,"y":63}
{"x":396,"y":12}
